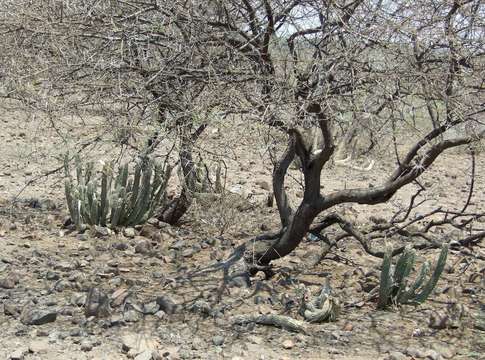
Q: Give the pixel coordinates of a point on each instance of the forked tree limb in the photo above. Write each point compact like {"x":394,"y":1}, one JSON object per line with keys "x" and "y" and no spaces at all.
{"x":314,"y":203}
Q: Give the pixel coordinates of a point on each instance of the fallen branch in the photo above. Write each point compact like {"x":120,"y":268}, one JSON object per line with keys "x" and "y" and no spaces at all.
{"x":281,"y":321}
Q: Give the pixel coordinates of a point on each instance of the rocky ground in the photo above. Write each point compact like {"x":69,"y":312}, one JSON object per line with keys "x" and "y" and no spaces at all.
{"x":136,"y":294}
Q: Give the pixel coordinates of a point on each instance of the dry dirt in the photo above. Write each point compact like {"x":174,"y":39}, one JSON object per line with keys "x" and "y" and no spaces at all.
{"x":44,"y":267}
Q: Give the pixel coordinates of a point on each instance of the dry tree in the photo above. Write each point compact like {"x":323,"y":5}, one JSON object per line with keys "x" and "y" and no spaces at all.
{"x":357,"y":70}
{"x":409,"y":69}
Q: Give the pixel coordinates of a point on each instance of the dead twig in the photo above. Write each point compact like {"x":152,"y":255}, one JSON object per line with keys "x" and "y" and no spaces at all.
{"x":284,"y":322}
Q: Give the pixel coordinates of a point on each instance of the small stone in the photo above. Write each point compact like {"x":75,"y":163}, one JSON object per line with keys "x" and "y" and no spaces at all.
{"x":438,"y":320}
{"x":31,"y":316}
{"x":444,"y":350}
{"x":78,"y":299}
{"x":396,"y":355}
{"x":50,"y":301}
{"x":64,"y":266}
{"x":418,"y":332}
{"x":11,"y":309}
{"x":210,"y":241}
{"x":153,"y":221}
{"x":288,"y":344}
{"x":138,"y":342}
{"x":167,"y":305}
{"x":86,"y":345}
{"x":197,"y":343}
{"x":119,"y":296}
{"x":151,"y":308}
{"x":101,"y":231}
{"x":145,"y":355}
{"x":122,"y":246}
{"x":9,"y":281}
{"x":116,"y":320}
{"x":66,"y":311}
{"x":131,"y":316}
{"x":144,"y":247}
{"x":129,"y":232}
{"x":149,"y":231}
{"x":187,"y":253}
{"x":416,"y":353}
{"x":62,"y":285}
{"x":97,"y":304}
{"x":76,"y":332}
{"x":52,"y":275}
{"x":42,"y":333}
{"x":39,"y":346}
{"x":179,"y":244}
{"x":18,"y":354}
{"x":82,"y":237}
{"x":218,"y":340}
{"x":160,"y":314}
{"x":201,"y":307}
{"x":263,"y":185}
{"x":433,"y":355}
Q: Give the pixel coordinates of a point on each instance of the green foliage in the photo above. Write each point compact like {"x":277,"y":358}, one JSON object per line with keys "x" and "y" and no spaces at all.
{"x":111,"y":201}
{"x":396,"y":288}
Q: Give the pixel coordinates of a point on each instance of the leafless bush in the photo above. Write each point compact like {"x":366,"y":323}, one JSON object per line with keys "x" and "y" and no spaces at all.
{"x":144,"y":70}
{"x":395,"y":69}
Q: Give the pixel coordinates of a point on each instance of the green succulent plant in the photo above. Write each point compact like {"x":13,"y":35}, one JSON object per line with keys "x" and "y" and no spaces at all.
{"x":395,"y":285}
{"x":114,"y":201}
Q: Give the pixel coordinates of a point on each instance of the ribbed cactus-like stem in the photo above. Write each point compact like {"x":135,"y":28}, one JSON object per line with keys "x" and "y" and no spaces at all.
{"x":386,"y":280}
{"x":122,"y":201}
{"x":403,"y":269}
{"x":406,"y":295}
{"x":72,"y":204}
{"x":431,"y":284}
{"x":394,"y":285}
{"x":104,"y":203}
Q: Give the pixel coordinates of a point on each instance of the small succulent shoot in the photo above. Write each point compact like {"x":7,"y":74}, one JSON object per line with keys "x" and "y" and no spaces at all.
{"x":386,"y":279}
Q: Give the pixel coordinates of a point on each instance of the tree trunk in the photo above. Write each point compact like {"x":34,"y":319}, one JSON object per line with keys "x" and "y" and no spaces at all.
{"x":265,"y":251}
{"x":175,"y":209}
